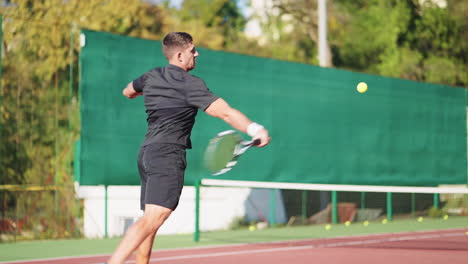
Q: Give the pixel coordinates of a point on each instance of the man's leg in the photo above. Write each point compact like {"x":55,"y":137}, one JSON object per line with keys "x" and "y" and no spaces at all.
{"x":143,"y":253}
{"x":145,"y":227}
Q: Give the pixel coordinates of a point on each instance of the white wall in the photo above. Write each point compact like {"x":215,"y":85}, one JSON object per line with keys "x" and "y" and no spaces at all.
{"x":219,"y":207}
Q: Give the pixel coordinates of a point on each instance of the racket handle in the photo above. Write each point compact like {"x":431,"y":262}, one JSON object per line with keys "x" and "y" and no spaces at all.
{"x":256,"y":142}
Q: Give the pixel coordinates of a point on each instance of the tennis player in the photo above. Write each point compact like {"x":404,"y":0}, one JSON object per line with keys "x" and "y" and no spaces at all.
{"x":172,"y":98}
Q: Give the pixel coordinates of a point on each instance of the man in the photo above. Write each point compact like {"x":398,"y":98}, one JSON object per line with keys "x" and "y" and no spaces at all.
{"x":172,"y":98}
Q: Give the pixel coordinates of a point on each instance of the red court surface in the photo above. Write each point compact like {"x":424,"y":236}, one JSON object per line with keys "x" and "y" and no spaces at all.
{"x":447,"y":246}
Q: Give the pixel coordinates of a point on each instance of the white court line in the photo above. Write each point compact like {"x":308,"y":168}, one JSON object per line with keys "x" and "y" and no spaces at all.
{"x":291,"y":248}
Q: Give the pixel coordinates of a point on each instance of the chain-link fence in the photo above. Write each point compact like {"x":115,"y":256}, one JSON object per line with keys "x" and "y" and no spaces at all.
{"x":39,"y":125}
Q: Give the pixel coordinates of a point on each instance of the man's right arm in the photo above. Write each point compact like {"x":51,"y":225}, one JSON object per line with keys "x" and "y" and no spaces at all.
{"x":130,"y":92}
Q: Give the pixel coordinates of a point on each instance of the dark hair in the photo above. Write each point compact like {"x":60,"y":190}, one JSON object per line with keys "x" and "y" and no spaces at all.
{"x":175,"y":41}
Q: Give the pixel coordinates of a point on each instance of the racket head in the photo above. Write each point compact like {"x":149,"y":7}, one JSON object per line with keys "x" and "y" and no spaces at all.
{"x":220,"y":150}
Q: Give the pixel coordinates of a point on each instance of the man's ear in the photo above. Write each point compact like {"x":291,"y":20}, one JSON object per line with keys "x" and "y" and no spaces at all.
{"x":179,"y":56}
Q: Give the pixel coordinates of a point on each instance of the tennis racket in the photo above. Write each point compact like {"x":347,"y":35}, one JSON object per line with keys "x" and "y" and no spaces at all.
{"x":223,"y":151}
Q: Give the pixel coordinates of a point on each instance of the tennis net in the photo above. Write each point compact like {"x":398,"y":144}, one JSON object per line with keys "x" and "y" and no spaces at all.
{"x":333,"y":204}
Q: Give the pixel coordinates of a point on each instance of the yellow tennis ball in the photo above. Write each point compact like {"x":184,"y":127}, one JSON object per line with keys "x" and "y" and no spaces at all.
{"x":445,"y":217}
{"x":362,"y":87}
{"x":328,"y":227}
{"x":366,"y":223}
{"x":420,"y":219}
{"x":347,"y":223}
{"x":384,"y":221}
{"x":252,"y":228}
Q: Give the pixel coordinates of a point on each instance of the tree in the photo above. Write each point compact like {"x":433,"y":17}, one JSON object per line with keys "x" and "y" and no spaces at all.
{"x":404,"y":39}
{"x":217,"y":23}
{"x":303,"y":16}
{"x":413,"y":41}
{"x":151,"y":21}
{"x":39,"y":109}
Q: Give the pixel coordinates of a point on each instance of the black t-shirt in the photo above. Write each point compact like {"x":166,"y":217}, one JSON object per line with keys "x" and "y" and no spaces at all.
{"x":172,"y":98}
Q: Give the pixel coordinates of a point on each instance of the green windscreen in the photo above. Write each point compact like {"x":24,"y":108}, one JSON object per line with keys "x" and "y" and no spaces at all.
{"x":323,"y":131}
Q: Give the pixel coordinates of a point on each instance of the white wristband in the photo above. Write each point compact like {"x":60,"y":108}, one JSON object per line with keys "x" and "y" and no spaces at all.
{"x":253,"y":129}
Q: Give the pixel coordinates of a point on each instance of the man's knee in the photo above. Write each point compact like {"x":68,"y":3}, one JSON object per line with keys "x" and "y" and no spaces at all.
{"x":155,"y":215}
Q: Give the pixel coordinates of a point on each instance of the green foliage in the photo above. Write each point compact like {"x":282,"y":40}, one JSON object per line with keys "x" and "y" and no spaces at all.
{"x":39,"y":111}
{"x":150,"y":22}
{"x":422,"y":43}
{"x":217,"y":24}
{"x":402,"y":39}
{"x":441,"y":70}
{"x":38,"y":104}
{"x":436,"y":31}
{"x":371,"y":40}
{"x":292,"y":31}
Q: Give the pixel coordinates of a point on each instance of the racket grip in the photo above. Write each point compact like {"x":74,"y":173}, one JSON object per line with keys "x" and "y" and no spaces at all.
{"x":256,"y":142}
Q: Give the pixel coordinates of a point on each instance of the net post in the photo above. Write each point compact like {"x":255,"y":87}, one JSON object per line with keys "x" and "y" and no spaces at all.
{"x":77,"y":178}
{"x":272,"y":207}
{"x":389,"y":206}
{"x":466,"y":132}
{"x":196,"y":234}
{"x":334,"y":207}
{"x":304,"y":206}
{"x":16,"y":220}
{"x":436,"y":200}
{"x":106,"y":235}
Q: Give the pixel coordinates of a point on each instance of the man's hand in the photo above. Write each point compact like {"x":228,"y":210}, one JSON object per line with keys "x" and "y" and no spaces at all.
{"x":130,"y":92}
{"x":263,"y":136}
{"x":131,"y":96}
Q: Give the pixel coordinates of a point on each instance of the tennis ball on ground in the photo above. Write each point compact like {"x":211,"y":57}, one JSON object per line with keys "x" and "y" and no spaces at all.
{"x":420,"y":219}
{"x":445,"y":217}
{"x":328,"y":227}
{"x":362,"y":87}
{"x":366,"y":223}
{"x":252,"y":228}
{"x":347,"y":223}
{"x":384,"y":221}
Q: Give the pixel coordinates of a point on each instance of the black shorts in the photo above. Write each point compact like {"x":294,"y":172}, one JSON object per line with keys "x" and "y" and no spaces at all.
{"x":161,"y":168}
